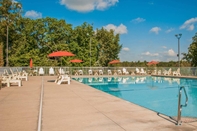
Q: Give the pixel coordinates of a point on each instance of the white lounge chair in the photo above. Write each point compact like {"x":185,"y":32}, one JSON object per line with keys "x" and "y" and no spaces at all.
{"x":124,"y":71}
{"x":100,"y":72}
{"x":80,"y":72}
{"x":169,"y":72}
{"x":51,"y":71}
{"x":23,"y":75}
{"x":5,"y":72}
{"x":119,"y":72}
{"x":137,"y":71}
{"x":159,"y":72}
{"x":142,"y":72}
{"x":154,"y":72}
{"x":63,"y":79}
{"x":109,"y":72}
{"x":8,"y":80}
{"x":19,"y":75}
{"x":13,"y":73}
{"x":41,"y":71}
{"x":61,"y":71}
{"x":90,"y":72}
{"x":132,"y":72}
{"x":33,"y":72}
{"x":177,"y":72}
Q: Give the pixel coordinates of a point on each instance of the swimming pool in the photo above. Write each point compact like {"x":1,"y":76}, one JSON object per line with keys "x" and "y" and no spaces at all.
{"x":159,"y":94}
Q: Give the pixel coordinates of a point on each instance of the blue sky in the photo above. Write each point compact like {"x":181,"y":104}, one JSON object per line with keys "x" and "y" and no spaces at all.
{"x":147,"y":28}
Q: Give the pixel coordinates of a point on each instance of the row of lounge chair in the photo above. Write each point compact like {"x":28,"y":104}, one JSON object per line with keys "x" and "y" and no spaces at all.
{"x":91,"y":72}
{"x":167,"y":72}
{"x":137,"y":71}
{"x":79,"y":72}
{"x":115,"y":72}
{"x":13,"y":77}
{"x":18,"y":76}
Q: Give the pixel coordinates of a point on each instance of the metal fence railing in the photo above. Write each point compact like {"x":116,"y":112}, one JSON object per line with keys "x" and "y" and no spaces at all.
{"x":185,"y":71}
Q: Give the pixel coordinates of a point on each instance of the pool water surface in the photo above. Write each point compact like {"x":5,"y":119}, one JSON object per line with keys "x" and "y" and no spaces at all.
{"x":159,"y":94}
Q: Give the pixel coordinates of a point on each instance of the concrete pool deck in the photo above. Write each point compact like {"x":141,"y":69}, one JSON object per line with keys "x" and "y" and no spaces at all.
{"x":75,"y":107}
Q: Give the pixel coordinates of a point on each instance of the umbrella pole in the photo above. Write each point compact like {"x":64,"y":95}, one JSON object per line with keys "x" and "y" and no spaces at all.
{"x":61,"y":61}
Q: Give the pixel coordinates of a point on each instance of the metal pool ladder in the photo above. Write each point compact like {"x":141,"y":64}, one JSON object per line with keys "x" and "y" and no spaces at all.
{"x":179,"y":104}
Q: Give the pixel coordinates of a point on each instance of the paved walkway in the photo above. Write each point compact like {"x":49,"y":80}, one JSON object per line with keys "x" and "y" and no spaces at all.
{"x":75,"y":107}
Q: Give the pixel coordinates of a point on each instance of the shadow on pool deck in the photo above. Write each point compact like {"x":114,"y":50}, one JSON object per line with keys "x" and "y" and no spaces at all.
{"x":75,"y":107}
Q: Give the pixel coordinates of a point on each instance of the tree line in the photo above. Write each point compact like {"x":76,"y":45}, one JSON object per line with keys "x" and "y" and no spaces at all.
{"x":36,"y":38}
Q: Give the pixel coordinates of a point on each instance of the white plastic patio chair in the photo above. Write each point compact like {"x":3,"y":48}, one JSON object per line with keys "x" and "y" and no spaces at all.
{"x":41,"y":71}
{"x":177,"y":72}
{"x":124,"y":71}
{"x":90,"y":72}
{"x":169,"y":72}
{"x":23,"y":75}
{"x":109,"y":72}
{"x":137,"y":71}
{"x":8,"y":80}
{"x":119,"y":72}
{"x":80,"y":72}
{"x":142,"y":72}
{"x":100,"y":72}
{"x":51,"y":71}
{"x":159,"y":72}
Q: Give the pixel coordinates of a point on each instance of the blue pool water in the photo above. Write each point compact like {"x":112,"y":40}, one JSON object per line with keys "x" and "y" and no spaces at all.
{"x":159,"y":94}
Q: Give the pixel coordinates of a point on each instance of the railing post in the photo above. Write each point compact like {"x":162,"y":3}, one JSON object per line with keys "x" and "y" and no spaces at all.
{"x":179,"y":108}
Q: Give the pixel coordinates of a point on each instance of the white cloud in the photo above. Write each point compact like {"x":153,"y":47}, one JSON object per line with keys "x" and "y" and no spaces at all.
{"x":171,"y":52}
{"x":121,"y":29}
{"x":189,"y":24}
{"x":155,"y":30}
{"x":169,"y":30}
{"x":88,"y":5}
{"x":33,"y":14}
{"x":125,"y":49}
{"x":138,"y":20}
{"x":149,"y":54}
{"x":164,"y":47}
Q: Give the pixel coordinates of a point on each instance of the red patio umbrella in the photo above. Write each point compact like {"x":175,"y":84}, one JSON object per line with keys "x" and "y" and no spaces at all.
{"x":114,"y":61}
{"x":153,"y":62}
{"x":60,"y":54}
{"x":76,"y":61}
{"x":31,"y":63}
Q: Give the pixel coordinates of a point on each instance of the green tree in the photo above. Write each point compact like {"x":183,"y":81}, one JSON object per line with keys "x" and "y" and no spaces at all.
{"x":191,"y":56}
{"x":80,"y":41}
{"x":10,"y":11}
{"x":36,"y":39}
{"x":94,"y":47}
{"x":108,"y":46}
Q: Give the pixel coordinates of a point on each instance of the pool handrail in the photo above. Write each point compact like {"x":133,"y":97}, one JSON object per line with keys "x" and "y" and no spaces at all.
{"x":180,"y":106}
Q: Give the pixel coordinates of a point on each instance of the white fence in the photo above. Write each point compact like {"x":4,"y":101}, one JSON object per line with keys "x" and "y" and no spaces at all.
{"x":185,"y":71}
